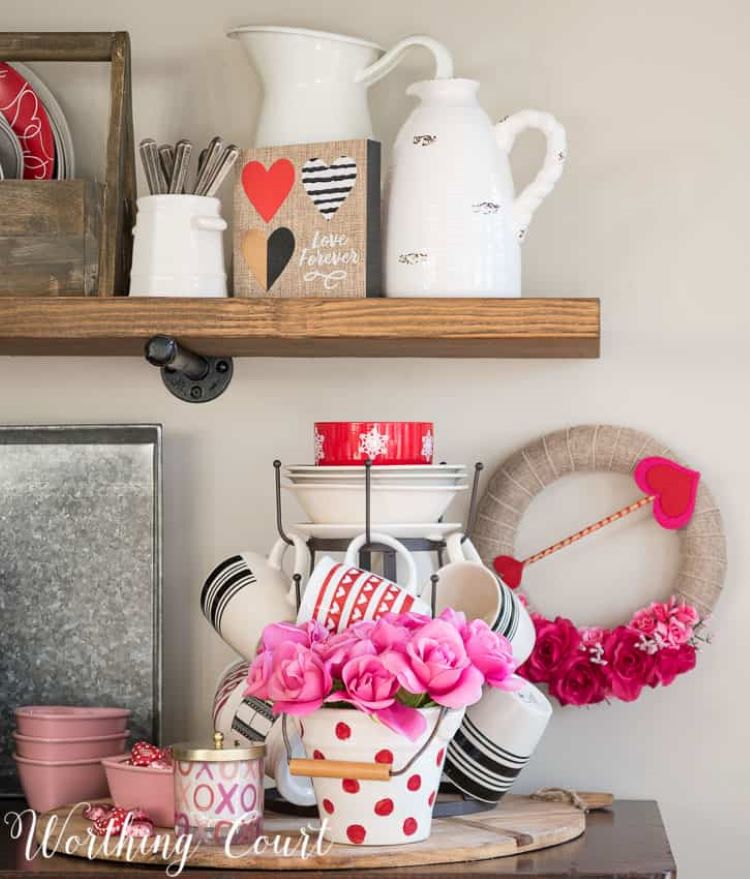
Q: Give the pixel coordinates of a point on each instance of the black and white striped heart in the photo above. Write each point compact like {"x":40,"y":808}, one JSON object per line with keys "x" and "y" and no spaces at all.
{"x":329,"y":185}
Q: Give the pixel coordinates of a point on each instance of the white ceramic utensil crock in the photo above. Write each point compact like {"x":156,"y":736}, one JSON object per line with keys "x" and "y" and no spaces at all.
{"x":453,"y":223}
{"x":178,"y":249}
{"x":316,"y":83}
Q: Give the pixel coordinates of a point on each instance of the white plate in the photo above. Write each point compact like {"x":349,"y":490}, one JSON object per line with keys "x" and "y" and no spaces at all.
{"x":377,"y":479}
{"x":60,"y":130}
{"x":425,"y":530}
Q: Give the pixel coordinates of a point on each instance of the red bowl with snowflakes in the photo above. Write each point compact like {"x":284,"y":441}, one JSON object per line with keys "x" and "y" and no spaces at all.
{"x":344,"y":443}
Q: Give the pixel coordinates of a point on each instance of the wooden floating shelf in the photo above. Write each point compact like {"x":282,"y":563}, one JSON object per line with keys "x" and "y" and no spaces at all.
{"x":303,"y":327}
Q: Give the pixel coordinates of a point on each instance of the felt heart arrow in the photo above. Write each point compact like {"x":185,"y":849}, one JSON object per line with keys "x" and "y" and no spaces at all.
{"x":672,"y":488}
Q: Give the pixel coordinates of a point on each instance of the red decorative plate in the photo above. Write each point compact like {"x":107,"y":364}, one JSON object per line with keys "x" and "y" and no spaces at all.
{"x":23,"y":109}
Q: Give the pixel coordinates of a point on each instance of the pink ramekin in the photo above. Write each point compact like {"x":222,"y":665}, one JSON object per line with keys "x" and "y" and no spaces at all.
{"x":88,"y":748}
{"x":47,"y":785}
{"x":142,"y":787}
{"x":70,"y":722}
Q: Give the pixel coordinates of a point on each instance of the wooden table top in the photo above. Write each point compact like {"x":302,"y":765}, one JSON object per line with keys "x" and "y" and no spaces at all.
{"x":626,"y":842}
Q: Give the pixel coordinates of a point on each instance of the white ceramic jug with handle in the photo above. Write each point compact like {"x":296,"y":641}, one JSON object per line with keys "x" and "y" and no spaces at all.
{"x":453,"y":221}
{"x":316,"y":83}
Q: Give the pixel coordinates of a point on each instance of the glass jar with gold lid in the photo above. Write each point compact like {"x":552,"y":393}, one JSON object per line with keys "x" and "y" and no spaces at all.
{"x":219,"y":791}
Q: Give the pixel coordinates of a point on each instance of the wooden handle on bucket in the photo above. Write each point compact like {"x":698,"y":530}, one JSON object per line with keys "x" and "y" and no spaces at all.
{"x":340,"y":769}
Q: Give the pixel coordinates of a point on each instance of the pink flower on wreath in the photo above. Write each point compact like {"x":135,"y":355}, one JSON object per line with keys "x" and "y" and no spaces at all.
{"x":436,"y":662}
{"x":580,"y":682}
{"x":670,"y":663}
{"x":297,"y":680}
{"x":556,"y":641}
{"x":644,"y":621}
{"x":371,"y":687}
{"x":629,"y":664}
{"x":686,"y":613}
{"x":592,"y":636}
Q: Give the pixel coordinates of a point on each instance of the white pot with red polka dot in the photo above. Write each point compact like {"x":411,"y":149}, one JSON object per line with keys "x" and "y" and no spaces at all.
{"x":393,"y":812}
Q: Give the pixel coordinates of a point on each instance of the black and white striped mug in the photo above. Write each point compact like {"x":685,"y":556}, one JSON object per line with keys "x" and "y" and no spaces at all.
{"x":496,"y":739}
{"x":247,"y":591}
{"x":467,"y":585}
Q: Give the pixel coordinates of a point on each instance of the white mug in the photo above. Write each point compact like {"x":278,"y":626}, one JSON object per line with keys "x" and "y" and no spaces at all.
{"x":496,"y":739}
{"x":248,"y":591}
{"x":339,"y":594}
{"x":467,"y":585}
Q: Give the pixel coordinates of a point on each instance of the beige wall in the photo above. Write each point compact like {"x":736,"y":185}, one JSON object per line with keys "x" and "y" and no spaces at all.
{"x":651,"y":215}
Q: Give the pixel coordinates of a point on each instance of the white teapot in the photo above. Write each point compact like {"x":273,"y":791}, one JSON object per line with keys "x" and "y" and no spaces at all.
{"x":453,"y":222}
{"x":316,"y":82}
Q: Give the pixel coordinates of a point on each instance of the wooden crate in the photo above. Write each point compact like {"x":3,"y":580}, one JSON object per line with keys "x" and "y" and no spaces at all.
{"x":49,"y":237}
{"x":72,"y":237}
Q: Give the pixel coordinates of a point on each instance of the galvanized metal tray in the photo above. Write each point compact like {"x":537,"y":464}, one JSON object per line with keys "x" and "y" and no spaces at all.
{"x":80,"y":573}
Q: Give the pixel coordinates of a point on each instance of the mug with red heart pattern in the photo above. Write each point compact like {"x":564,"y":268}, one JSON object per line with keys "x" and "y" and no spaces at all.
{"x":339,"y":594}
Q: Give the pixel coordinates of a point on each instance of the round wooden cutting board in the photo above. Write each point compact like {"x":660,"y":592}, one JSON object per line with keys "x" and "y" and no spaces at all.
{"x":516,"y":825}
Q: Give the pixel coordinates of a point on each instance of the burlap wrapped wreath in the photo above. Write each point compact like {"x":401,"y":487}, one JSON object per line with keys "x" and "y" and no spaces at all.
{"x":587,"y":665}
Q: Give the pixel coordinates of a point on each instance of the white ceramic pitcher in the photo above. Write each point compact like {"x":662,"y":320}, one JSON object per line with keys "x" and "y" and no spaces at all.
{"x":453,"y":222}
{"x":316,"y":83}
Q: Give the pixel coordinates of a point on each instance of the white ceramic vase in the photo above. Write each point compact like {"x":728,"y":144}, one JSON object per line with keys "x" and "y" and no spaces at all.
{"x":393,"y":812}
{"x":315,"y":83}
{"x":453,"y":223}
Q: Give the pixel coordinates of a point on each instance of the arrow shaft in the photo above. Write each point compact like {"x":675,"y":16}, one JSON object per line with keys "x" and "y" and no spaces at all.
{"x":589,"y":529}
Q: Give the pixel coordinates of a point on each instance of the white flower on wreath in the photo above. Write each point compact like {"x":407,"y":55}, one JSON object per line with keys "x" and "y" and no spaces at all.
{"x":427,"y":445}
{"x":319,"y":451}
{"x":373,"y":443}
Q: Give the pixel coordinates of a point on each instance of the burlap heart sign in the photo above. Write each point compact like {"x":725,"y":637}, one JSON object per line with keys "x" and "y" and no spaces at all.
{"x":307,"y":221}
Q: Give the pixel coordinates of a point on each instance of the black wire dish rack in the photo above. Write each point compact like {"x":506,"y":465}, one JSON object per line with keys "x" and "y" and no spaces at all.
{"x":451,"y":801}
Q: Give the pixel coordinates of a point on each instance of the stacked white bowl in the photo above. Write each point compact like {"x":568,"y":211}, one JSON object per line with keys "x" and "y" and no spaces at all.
{"x":404,"y":494}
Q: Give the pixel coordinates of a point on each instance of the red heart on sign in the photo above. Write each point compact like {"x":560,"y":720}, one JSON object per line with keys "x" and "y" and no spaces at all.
{"x":267,"y":189}
{"x":674,"y":488}
{"x":509,"y":570}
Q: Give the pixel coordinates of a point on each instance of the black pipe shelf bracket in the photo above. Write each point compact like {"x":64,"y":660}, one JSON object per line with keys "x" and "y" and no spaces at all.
{"x":191,"y":377}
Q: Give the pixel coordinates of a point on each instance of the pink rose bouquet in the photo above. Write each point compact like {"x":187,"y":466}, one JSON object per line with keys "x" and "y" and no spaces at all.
{"x":583,"y":666}
{"x":388,"y":668}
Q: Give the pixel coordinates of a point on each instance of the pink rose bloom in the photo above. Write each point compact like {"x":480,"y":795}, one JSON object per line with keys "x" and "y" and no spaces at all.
{"x":456,"y":618}
{"x":686,"y":614}
{"x":660,"y":611}
{"x":644,"y":622}
{"x":410,"y":620}
{"x":344,"y":646}
{"x":678,"y":633}
{"x":439,"y":666}
{"x":299,"y":680}
{"x":671,"y":663}
{"x":629,"y":666}
{"x":389,"y":635}
{"x":372,"y":687}
{"x":580,"y":682}
{"x":491,"y":654}
{"x":258,"y":675}
{"x":368,"y":684}
{"x":307,"y":634}
{"x":556,"y":642}
{"x":591,"y":636}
